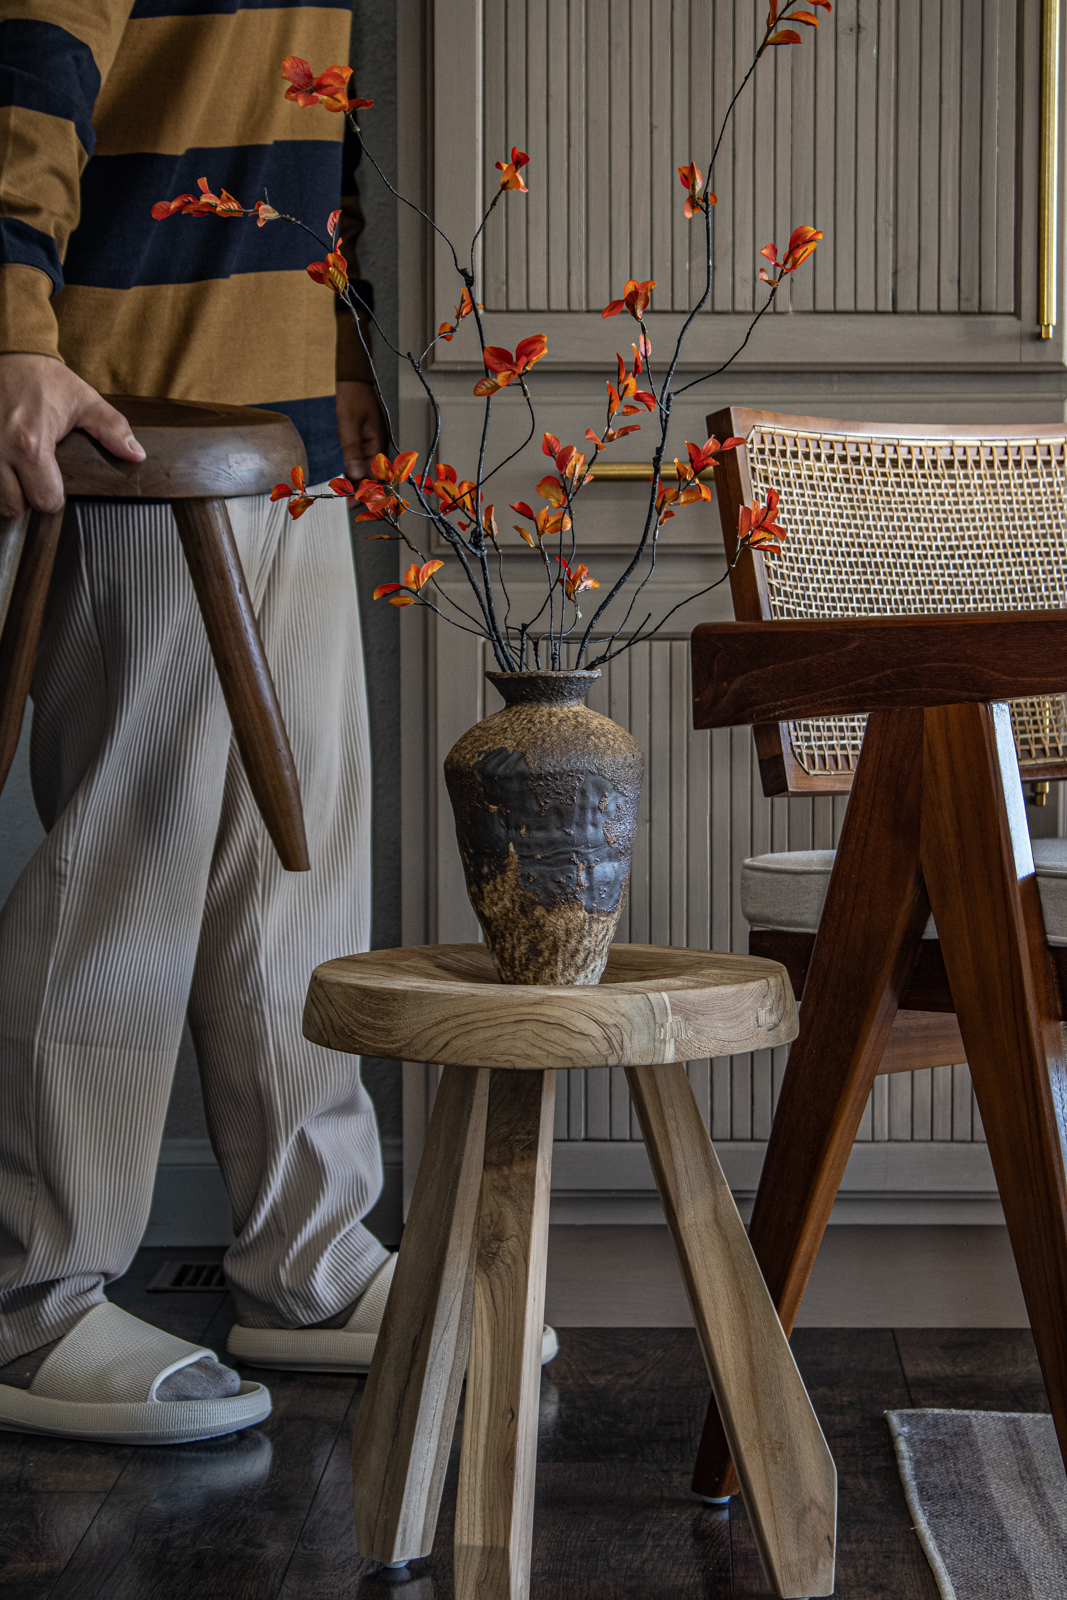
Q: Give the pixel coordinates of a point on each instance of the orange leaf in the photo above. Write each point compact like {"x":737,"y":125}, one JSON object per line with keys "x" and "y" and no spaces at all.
{"x":786,"y":36}
{"x":527,"y":351}
{"x":297,"y":477}
{"x":552,"y":490}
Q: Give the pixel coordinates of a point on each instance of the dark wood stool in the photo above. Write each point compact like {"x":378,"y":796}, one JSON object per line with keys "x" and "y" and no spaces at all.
{"x":471,"y":1273}
{"x":197,"y":457}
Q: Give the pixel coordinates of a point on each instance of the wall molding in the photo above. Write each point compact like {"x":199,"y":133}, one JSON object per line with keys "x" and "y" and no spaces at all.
{"x":886,"y":1183}
{"x":601,"y":1182}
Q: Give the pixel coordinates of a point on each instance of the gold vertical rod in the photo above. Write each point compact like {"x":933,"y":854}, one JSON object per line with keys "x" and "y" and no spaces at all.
{"x":1048,"y":179}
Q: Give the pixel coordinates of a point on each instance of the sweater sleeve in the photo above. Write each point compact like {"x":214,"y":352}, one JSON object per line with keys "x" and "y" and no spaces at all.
{"x":54,"y":55}
{"x":352,"y":358}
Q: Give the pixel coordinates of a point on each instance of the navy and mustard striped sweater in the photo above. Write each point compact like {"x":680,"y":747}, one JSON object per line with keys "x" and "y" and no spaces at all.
{"x":107,"y":106}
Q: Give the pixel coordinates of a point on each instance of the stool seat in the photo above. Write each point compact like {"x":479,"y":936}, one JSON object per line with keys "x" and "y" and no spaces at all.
{"x":446,"y":1004}
{"x":192,"y":451}
{"x":197,"y":457}
{"x":468,"y":1294}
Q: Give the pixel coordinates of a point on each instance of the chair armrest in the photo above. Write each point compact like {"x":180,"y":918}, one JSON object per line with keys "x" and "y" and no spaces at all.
{"x":746,"y":672}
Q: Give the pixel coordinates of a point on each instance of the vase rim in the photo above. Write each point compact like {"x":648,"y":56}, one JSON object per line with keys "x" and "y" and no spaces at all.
{"x":544,"y":686}
{"x":548,"y":672}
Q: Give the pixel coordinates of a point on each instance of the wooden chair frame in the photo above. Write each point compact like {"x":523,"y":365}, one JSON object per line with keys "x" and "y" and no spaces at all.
{"x":936,"y":821}
{"x":936,"y":817}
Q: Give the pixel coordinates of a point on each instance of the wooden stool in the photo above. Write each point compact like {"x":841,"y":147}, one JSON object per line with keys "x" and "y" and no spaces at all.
{"x":197,"y":457}
{"x":471,"y":1273}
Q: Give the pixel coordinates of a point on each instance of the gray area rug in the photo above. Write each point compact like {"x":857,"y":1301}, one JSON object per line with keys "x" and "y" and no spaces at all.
{"x":988,"y":1496}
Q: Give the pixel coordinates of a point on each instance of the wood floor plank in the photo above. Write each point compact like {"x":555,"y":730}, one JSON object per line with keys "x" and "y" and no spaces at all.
{"x":623,"y":1394}
{"x":854,"y":1376}
{"x":972,"y":1369}
{"x":213,"y":1521}
{"x":31,"y":1464}
{"x":267,"y":1515}
{"x":39,"y":1532}
{"x":326,"y":1562}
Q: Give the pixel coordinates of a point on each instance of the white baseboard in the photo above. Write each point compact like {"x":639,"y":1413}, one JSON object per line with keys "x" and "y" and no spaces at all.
{"x":597,"y":1181}
{"x":611,"y":1183}
{"x":190,"y":1206}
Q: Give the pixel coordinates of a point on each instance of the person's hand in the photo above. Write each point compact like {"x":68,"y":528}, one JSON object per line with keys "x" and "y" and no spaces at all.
{"x":41,"y":400}
{"x":359,"y":427}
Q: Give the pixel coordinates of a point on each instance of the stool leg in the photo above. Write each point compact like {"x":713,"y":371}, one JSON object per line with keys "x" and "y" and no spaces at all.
{"x":233,"y":633}
{"x":494,"y":1516}
{"x":27,"y":594}
{"x":405,"y":1422}
{"x":787,"y":1474}
{"x":12,"y":542}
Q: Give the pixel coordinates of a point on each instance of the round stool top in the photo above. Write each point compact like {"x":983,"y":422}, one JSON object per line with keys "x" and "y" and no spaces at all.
{"x":193,"y":451}
{"x":445,"y":1003}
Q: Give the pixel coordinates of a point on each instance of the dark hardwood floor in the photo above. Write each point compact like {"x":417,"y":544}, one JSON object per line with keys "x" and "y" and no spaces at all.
{"x":265,"y":1515}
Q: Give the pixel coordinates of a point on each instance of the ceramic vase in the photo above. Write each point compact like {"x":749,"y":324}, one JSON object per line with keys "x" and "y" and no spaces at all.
{"x":545,"y":795}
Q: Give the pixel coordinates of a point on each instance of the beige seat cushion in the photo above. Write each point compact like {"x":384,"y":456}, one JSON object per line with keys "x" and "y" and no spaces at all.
{"x":787,"y":890}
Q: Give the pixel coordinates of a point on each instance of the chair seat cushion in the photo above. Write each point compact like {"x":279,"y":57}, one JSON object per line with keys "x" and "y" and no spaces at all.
{"x":787,"y":889}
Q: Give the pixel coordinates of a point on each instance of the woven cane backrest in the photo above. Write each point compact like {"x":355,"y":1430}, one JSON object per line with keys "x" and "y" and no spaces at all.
{"x":896,"y":525}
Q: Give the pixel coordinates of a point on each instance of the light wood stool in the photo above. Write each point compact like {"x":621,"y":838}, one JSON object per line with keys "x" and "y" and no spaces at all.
{"x":471,"y":1273}
{"x":197,"y":457}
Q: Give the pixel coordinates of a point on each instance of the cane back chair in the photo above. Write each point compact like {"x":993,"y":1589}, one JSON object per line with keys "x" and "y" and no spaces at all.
{"x":919,"y":588}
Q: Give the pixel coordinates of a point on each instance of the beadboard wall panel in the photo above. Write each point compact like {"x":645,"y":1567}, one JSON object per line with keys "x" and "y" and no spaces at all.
{"x":905,"y":129}
{"x":873,"y":127}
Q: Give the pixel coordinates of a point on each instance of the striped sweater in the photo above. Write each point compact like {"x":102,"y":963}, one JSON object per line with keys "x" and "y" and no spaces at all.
{"x":107,"y":106}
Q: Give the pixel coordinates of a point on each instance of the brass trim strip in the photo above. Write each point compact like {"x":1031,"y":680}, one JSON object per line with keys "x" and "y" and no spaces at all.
{"x":1048,"y":175}
{"x":639,"y":472}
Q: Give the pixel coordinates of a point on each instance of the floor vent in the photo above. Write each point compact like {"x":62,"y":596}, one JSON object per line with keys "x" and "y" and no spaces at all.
{"x":187,"y":1277}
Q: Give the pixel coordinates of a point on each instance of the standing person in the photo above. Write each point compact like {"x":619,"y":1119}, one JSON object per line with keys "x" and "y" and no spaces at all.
{"x":156,"y":889}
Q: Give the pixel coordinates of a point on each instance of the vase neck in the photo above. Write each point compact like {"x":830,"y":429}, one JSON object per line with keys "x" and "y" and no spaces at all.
{"x":543,"y":688}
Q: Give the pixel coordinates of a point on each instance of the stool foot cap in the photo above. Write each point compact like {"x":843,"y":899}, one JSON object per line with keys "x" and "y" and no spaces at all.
{"x":716,"y":1500}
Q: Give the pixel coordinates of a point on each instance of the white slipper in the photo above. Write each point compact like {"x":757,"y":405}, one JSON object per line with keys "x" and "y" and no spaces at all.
{"x":101,"y":1379}
{"x":347,"y":1349}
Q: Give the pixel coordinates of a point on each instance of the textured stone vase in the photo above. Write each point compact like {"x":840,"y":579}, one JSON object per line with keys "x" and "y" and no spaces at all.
{"x":545,"y":796}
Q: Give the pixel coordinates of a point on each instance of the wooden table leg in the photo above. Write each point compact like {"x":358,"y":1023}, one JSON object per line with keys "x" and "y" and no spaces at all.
{"x":494,"y":1517}
{"x":233,"y":633}
{"x":22,"y":627}
{"x":787,"y":1474}
{"x":407,"y":1416}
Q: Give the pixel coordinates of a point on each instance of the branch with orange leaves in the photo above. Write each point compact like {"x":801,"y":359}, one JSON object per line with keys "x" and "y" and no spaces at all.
{"x":453,"y":506}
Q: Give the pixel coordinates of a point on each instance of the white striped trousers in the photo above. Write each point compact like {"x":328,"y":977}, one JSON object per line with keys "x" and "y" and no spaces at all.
{"x":157,"y":890}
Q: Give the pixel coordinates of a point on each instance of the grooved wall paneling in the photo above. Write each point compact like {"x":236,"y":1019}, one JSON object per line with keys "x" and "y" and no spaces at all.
{"x":893,"y":130}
